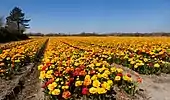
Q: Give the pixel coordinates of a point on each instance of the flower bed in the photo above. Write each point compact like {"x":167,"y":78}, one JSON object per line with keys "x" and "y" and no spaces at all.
{"x":145,"y":55}
{"x":70,"y":72}
{"x":14,"y":58}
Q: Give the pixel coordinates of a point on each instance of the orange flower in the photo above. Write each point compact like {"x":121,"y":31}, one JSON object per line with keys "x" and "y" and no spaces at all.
{"x":66,"y":95}
{"x":82,"y":73}
{"x":139,"y":80}
{"x":87,"y":82}
{"x":2,"y":64}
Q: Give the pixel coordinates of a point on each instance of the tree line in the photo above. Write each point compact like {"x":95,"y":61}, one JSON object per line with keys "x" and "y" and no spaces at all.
{"x":13,"y":26}
{"x":102,"y":34}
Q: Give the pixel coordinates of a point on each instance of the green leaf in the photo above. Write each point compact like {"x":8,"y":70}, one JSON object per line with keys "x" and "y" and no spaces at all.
{"x":1,"y":51}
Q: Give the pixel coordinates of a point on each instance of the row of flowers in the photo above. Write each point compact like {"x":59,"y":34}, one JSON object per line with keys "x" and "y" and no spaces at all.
{"x":13,"y":44}
{"x":72,"y":72}
{"x":14,"y":58}
{"x":144,"y":55}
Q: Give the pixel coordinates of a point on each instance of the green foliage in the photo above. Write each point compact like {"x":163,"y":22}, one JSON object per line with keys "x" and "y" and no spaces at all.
{"x":6,"y":35}
{"x":1,"y":21}
{"x":15,"y":26}
{"x":16,"y":20}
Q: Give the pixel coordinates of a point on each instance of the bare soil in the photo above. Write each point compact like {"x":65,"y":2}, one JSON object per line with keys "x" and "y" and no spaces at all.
{"x":9,"y":88}
{"x":156,"y":87}
{"x":153,"y":87}
{"x":32,"y":87}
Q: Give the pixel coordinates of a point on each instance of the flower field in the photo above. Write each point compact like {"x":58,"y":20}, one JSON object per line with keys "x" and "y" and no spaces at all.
{"x":87,"y":67}
{"x":82,"y":67}
{"x":15,"y":55}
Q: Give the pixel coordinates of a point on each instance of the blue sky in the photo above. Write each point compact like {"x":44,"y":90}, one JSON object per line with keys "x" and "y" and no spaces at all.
{"x":76,"y":16}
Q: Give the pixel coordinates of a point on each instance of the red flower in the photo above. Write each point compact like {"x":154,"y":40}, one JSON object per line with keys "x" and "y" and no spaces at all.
{"x":66,"y":95}
{"x":131,"y":55}
{"x":76,"y":73}
{"x":60,"y":63}
{"x":43,"y":86}
{"x":48,"y":82}
{"x":82,"y":67}
{"x":67,"y":83}
{"x":44,"y":67}
{"x":85,"y":91}
{"x":150,"y":64}
{"x":139,"y":52}
{"x":92,"y":72}
{"x":56,"y":73}
{"x":68,"y":58}
{"x":78,"y":69}
{"x":128,"y":75}
{"x":48,"y":64}
{"x":71,"y":79}
{"x":82,"y":73}
{"x":139,"y":80}
{"x":120,"y":74}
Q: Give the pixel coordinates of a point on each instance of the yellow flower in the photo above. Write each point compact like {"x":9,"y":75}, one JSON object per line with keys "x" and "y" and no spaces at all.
{"x":94,"y":77}
{"x":93,"y":90}
{"x":78,"y":83}
{"x":50,"y":72}
{"x":145,"y":59}
{"x":53,"y":61}
{"x":107,"y":72}
{"x":40,"y":67}
{"x":62,"y":82}
{"x":17,"y":60}
{"x":47,"y":60}
{"x":100,"y":70}
{"x":99,"y":75}
{"x":101,"y":90}
{"x":56,"y":92}
{"x":136,"y":66}
{"x":76,"y":64}
{"x":132,"y":62}
{"x":104,"y":75}
{"x":119,"y":70}
{"x":126,"y":78}
{"x":50,"y":92}
{"x":110,"y":82}
{"x":152,"y":53}
{"x":156,"y":65}
{"x":65,"y":87}
{"x":96,"y":83}
{"x":117,"y":78}
{"x":42,"y":75}
{"x":98,"y":64}
{"x":91,"y":65}
{"x":87,"y":77}
{"x":48,"y":75}
{"x":162,"y":52}
{"x":105,"y":85}
{"x":52,"y":86}
{"x":113,"y":69}
{"x":57,"y":79}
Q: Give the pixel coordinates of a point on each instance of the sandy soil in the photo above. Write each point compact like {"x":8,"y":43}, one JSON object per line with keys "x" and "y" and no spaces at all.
{"x":153,"y":87}
{"x":156,"y":87}
{"x":32,"y":87}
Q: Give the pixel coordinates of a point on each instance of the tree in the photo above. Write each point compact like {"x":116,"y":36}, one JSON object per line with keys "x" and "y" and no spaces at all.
{"x":16,"y":20}
{"x":1,"y":21}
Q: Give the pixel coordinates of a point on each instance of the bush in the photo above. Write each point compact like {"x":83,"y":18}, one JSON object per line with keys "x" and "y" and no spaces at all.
{"x":6,"y":35}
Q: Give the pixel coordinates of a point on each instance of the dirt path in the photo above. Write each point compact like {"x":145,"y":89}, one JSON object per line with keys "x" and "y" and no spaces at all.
{"x":32,"y":87}
{"x":156,"y":87}
{"x":153,"y":87}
